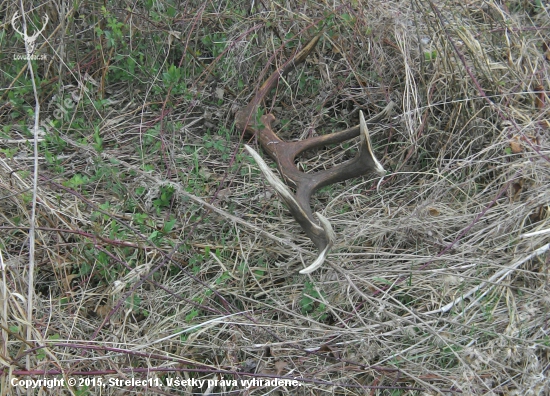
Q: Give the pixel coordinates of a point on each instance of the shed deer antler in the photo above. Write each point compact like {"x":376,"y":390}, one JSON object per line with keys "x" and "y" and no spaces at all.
{"x":284,"y":153}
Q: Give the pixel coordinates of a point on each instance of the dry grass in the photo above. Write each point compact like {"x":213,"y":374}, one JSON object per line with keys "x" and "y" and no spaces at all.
{"x":160,"y":252}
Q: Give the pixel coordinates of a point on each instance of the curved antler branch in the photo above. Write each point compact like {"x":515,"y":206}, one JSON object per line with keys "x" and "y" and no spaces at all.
{"x":13,"y":18}
{"x":244,"y":116}
{"x":284,"y":154}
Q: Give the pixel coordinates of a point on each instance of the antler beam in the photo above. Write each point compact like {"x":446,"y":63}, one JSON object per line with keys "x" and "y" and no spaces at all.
{"x":284,"y":154}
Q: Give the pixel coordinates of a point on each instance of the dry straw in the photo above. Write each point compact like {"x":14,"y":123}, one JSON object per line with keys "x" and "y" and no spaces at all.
{"x":160,"y":251}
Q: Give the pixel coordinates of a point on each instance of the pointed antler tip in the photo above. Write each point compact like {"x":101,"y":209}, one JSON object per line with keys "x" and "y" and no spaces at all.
{"x":330,"y":237}
{"x":365,"y":140}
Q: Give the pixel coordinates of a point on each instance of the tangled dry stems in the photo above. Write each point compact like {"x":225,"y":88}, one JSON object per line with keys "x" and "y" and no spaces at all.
{"x":431,"y":286}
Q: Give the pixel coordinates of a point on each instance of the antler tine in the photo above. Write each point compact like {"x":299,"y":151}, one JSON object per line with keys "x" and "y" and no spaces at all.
{"x":284,"y":153}
{"x":244,"y":116}
{"x":13,"y":18}
{"x":43,"y":27}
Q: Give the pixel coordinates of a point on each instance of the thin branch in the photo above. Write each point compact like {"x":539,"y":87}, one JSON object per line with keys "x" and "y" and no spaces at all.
{"x":32,"y":241}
